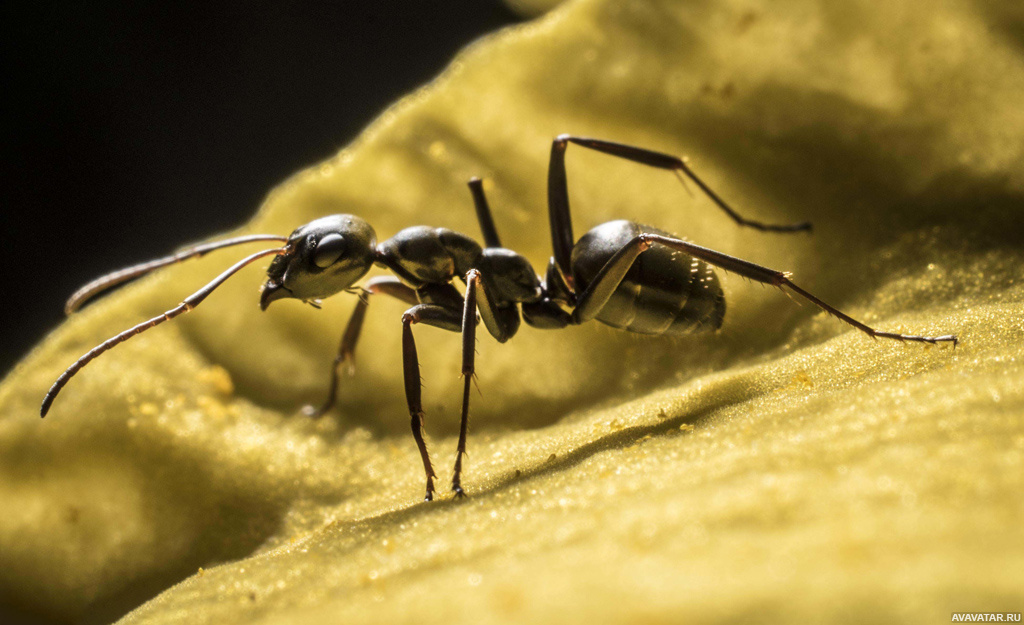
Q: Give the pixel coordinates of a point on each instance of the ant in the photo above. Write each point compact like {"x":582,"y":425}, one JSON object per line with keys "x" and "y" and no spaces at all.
{"x":621,"y":273}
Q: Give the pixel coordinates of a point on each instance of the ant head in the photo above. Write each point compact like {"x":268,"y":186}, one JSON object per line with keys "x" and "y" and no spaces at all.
{"x":323,"y":257}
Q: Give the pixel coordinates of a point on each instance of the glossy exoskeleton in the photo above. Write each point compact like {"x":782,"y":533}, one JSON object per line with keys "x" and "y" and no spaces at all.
{"x":622,"y":273}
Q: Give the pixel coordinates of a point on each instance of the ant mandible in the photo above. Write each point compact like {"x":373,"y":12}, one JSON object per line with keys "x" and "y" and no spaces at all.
{"x":624,"y":274}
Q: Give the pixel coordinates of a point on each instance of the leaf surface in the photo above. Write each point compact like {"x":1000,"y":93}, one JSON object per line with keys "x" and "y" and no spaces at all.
{"x":786,"y":468}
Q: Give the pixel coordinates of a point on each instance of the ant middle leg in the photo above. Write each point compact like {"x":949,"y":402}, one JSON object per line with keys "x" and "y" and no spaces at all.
{"x":502,"y":322}
{"x":468,"y":372}
{"x":558,"y":195}
{"x":386,"y":285}
{"x":483,"y":213}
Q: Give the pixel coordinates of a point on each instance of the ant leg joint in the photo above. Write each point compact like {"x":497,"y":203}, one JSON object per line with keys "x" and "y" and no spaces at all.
{"x":781,"y":277}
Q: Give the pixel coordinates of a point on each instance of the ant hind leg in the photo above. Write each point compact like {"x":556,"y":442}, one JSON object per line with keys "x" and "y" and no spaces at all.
{"x":782,"y":280}
{"x":558,"y":195}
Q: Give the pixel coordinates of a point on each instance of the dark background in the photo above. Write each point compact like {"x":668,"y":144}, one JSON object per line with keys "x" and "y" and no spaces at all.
{"x":132,"y":129}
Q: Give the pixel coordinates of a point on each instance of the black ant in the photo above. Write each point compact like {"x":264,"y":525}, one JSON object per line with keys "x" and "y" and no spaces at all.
{"x":622,"y":273}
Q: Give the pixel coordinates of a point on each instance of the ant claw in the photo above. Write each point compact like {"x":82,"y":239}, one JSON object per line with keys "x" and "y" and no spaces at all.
{"x":459,"y":493}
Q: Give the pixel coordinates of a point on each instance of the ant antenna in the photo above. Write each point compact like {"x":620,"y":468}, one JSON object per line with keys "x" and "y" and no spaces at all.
{"x":186,"y":305}
{"x":109,"y":281}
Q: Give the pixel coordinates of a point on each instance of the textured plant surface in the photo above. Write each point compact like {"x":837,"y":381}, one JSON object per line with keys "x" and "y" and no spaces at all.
{"x":785,"y":469}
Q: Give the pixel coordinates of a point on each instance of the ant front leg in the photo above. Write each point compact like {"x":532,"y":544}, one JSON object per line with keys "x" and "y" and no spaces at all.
{"x":347,"y":349}
{"x":440,"y":317}
{"x":558,"y":194}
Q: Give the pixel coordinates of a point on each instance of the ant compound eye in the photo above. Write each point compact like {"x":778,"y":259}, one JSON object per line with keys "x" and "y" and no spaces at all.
{"x":328,"y":250}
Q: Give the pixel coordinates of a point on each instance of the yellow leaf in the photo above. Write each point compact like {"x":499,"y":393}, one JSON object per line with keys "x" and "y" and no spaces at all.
{"x":785,"y":469}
